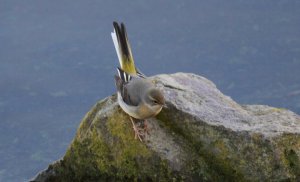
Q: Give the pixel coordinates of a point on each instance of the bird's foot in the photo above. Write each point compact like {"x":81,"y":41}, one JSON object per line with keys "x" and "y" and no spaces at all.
{"x":138,"y":133}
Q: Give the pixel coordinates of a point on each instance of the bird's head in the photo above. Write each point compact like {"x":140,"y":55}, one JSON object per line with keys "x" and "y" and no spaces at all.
{"x":155,"y":98}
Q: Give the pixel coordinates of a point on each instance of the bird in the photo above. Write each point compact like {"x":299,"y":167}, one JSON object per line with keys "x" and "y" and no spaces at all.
{"x":137,"y":95}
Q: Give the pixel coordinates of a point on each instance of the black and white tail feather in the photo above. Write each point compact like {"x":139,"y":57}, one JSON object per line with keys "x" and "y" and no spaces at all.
{"x":127,"y":70}
{"x":125,"y":77}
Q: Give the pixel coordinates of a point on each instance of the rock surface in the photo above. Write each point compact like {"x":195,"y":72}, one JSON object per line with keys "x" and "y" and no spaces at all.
{"x":203,"y":135}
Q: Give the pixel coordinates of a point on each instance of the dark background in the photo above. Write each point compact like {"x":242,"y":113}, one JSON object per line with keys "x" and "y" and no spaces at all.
{"x":57,"y":60}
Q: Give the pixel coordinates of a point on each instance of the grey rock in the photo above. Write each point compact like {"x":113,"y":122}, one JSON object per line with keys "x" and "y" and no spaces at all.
{"x":203,"y":135}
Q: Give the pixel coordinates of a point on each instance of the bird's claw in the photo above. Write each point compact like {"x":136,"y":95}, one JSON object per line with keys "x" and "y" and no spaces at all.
{"x":139,"y":133}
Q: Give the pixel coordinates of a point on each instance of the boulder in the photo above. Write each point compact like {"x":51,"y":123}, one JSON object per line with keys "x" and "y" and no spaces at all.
{"x":202,"y":135}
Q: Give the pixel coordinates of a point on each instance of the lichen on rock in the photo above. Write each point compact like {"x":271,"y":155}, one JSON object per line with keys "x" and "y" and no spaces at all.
{"x":203,"y":135}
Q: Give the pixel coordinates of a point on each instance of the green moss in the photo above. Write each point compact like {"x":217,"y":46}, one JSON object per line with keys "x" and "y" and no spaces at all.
{"x":287,"y":153}
{"x":207,"y":162}
{"x":132,"y":159}
{"x":88,"y":118}
{"x":293,"y":161}
{"x":114,"y":157}
{"x":121,"y":128}
{"x":105,"y":150}
{"x":125,"y":160}
{"x":74,"y":167}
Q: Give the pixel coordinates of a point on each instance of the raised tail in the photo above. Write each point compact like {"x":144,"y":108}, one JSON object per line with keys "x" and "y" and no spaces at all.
{"x":123,"y":49}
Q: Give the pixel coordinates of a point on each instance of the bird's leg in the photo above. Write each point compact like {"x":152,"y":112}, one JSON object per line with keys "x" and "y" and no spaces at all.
{"x":137,"y":133}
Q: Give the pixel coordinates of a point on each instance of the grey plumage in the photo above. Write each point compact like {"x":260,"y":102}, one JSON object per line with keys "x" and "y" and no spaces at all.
{"x":137,"y":95}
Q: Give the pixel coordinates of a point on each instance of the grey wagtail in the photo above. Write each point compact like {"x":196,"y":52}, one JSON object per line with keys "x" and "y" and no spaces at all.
{"x":137,"y":95}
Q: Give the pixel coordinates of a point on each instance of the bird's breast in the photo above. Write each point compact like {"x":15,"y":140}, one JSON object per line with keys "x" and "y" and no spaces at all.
{"x":146,"y":111}
{"x":141,"y":111}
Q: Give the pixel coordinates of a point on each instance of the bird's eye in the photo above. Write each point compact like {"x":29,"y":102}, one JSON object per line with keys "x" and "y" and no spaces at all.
{"x":155,"y":102}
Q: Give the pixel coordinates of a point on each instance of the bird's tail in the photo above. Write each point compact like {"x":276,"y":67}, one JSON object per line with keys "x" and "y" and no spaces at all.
{"x":123,"y":49}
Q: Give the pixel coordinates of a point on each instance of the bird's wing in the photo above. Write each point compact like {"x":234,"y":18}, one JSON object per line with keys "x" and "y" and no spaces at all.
{"x":130,"y":86}
{"x":129,"y":109}
{"x":127,"y":77}
{"x":123,"y":48}
{"x":122,"y":90}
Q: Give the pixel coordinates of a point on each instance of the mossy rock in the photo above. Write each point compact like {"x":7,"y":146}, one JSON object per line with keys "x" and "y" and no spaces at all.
{"x":201,"y":136}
